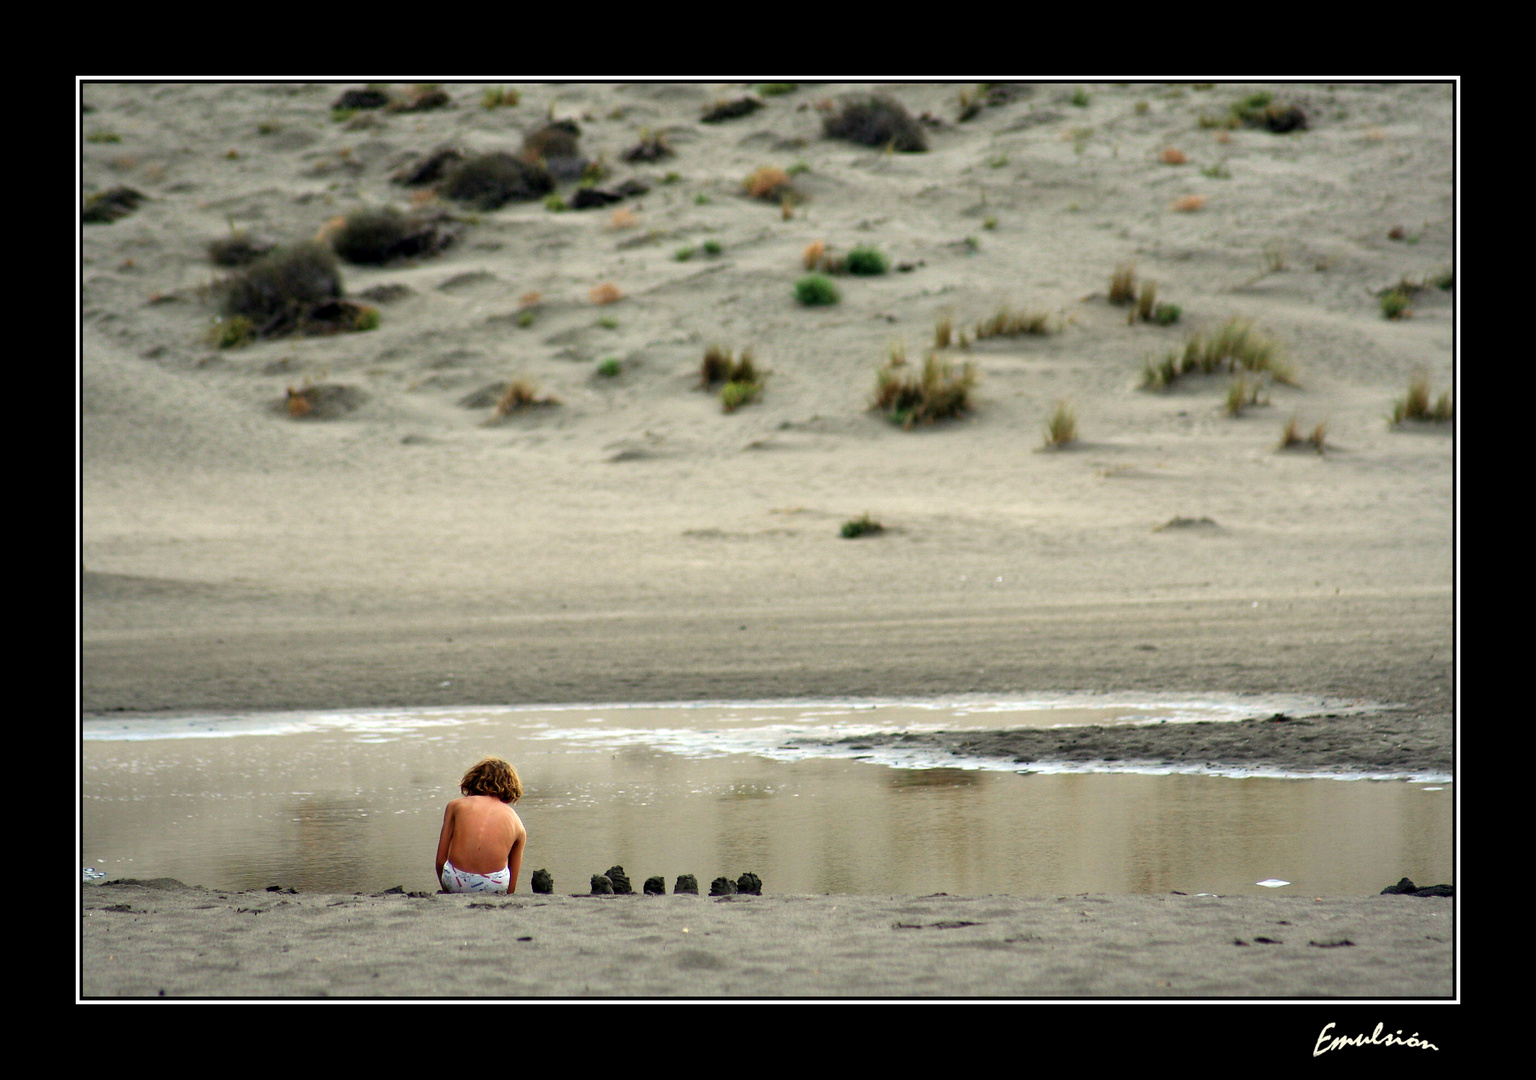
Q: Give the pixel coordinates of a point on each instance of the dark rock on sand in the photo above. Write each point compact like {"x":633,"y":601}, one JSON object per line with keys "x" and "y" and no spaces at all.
{"x":750,"y":884}
{"x":430,"y":169}
{"x":601,"y":886}
{"x":686,"y":883}
{"x":655,"y":886}
{"x":587,"y":198}
{"x":722,"y":886}
{"x":620,"y":881}
{"x":1404,"y":887}
{"x":543,"y":881}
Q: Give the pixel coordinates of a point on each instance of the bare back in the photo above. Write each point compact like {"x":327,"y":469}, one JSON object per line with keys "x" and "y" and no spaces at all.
{"x":481,"y":835}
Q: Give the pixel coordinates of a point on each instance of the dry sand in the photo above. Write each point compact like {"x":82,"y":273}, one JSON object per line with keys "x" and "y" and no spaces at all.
{"x":635,"y":542}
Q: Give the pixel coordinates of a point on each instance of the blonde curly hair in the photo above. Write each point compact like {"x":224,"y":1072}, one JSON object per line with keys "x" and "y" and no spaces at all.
{"x":495,"y":777}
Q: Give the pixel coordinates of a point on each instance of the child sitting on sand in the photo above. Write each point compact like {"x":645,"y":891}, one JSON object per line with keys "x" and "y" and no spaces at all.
{"x":481,"y":846}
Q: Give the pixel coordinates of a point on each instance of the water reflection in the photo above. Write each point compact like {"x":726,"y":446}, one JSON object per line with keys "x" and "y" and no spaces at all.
{"x":354,"y":803}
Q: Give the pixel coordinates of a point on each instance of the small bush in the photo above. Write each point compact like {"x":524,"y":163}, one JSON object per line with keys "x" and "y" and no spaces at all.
{"x":866,"y":261}
{"x":876,"y":121}
{"x":938,"y":392}
{"x":610,"y":368}
{"x":1394,"y":304}
{"x":861,"y":526}
{"x":816,"y":289}
{"x":489,"y":181}
{"x":712,"y":248}
{"x":1166,"y":314}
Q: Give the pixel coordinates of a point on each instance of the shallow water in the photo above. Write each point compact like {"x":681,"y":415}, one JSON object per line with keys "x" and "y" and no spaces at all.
{"x":352,"y":801}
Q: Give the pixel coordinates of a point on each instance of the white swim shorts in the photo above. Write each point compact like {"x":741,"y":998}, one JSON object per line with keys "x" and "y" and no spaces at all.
{"x":456,"y":880}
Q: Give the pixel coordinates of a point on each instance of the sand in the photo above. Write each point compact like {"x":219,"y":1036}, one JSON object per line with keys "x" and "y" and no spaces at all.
{"x":635,"y":542}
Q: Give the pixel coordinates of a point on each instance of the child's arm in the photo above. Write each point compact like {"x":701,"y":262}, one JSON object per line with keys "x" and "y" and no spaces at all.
{"x":515,"y":857}
{"x":445,"y":840}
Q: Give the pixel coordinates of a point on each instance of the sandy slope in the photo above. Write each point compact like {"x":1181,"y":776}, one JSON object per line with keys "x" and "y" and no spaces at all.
{"x":618,"y":544}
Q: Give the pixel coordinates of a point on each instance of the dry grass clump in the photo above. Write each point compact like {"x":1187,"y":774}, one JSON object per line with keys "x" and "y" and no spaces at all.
{"x":812,"y":258}
{"x":1244,"y":393}
{"x":489,"y":181}
{"x":1236,"y":345}
{"x":769,"y":183}
{"x":321,"y":401}
{"x":1122,"y":285}
{"x":1416,"y":405}
{"x":936,"y":393}
{"x":1291,"y":436}
{"x":652,"y":146}
{"x":1006,"y":322}
{"x":738,"y":378}
{"x":606,"y":293}
{"x":378,"y":237}
{"x":721,"y":366}
{"x":1172,"y":156}
{"x":876,"y":121}
{"x":1189,"y":204}
{"x":1061,"y":426}
{"x":518,"y":395}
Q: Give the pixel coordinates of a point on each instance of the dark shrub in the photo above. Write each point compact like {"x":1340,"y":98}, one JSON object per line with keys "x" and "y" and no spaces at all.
{"x":107,"y":206}
{"x":277,"y":291}
{"x":556,"y":139}
{"x":730,"y":110}
{"x":361,"y":99}
{"x":491,"y":180}
{"x":865,"y":261}
{"x":876,"y":121}
{"x":376,"y":237}
{"x":236,"y":249}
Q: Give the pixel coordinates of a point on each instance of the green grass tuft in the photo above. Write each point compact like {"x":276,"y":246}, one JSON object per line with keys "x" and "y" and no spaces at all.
{"x":816,"y":289}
